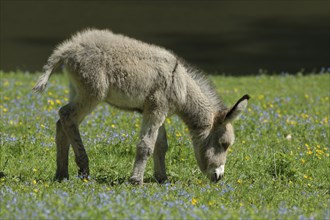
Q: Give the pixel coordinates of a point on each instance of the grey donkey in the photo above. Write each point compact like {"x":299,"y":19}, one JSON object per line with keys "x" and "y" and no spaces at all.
{"x":132,"y":75}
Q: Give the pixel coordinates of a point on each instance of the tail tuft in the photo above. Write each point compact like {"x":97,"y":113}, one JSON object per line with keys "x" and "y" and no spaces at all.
{"x":42,"y":82}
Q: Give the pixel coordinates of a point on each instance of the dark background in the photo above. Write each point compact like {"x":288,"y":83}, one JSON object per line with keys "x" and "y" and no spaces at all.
{"x":233,"y":37}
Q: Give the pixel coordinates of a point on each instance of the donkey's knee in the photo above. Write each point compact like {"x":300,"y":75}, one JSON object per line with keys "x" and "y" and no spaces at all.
{"x":66,"y":113}
{"x":144,"y":150}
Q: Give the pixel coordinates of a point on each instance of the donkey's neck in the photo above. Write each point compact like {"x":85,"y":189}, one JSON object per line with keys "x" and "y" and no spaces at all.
{"x":198,"y":111}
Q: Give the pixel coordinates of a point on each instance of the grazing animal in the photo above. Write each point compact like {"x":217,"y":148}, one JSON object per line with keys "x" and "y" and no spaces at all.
{"x":132,"y":75}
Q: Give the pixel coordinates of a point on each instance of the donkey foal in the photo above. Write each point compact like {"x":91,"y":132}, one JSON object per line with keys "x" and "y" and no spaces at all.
{"x":132,"y":75}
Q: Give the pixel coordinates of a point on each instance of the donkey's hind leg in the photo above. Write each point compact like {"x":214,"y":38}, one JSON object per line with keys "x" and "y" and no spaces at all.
{"x":71,"y":115}
{"x":62,"y":150}
{"x":159,"y":155}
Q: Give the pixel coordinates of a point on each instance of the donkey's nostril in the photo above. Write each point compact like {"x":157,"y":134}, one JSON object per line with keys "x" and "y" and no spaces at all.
{"x":216,"y":177}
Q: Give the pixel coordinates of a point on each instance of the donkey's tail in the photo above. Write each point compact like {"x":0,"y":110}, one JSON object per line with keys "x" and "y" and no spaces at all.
{"x":53,"y":61}
{"x":42,"y":82}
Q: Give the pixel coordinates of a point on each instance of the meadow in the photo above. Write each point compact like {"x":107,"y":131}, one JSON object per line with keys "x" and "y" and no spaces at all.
{"x":277,"y":168}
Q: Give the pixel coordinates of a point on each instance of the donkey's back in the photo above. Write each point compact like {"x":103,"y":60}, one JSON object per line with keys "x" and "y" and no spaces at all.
{"x":112,"y":68}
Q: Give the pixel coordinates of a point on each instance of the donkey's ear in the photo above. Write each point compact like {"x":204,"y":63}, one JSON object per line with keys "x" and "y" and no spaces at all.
{"x":237,"y":109}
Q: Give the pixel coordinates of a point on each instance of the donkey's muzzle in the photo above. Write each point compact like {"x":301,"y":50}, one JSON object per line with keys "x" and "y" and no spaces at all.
{"x":217,"y":174}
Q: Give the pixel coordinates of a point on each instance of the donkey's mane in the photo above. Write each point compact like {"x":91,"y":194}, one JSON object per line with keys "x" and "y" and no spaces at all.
{"x":205,"y":84}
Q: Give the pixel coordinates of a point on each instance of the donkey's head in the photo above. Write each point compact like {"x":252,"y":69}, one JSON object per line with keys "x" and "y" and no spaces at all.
{"x":211,"y":152}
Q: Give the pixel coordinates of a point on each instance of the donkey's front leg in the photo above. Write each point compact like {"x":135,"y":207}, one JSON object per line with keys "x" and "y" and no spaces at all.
{"x":62,"y":153}
{"x":159,"y":155}
{"x":145,"y":147}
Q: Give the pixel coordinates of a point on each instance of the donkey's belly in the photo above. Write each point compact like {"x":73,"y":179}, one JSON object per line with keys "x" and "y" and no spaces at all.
{"x":125,"y":101}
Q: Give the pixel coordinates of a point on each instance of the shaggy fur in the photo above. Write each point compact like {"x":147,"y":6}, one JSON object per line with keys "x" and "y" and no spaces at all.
{"x":132,"y":75}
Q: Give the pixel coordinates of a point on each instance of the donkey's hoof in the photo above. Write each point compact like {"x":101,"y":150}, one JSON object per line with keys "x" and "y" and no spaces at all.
{"x":60,"y":178}
{"x":135,"y":180}
{"x":83,"y":174}
{"x":160,"y":178}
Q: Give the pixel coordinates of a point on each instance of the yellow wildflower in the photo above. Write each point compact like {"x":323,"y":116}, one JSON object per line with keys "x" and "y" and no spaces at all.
{"x":291,"y":122}
{"x":304,"y":116}
{"x":260,"y":97}
{"x":320,"y":151}
{"x":50,"y":102}
{"x":194,"y":201}
{"x":239,"y":181}
{"x":325,"y":120}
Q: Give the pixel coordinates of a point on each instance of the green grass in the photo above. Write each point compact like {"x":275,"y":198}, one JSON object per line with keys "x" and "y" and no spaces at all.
{"x":267,"y":174}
